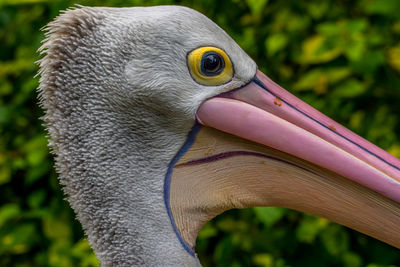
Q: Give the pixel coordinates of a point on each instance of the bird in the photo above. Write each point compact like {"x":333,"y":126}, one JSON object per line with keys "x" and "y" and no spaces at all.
{"x":159,"y":121}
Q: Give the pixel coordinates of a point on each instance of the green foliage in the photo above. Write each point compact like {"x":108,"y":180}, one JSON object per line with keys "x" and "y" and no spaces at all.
{"x":343,"y":57}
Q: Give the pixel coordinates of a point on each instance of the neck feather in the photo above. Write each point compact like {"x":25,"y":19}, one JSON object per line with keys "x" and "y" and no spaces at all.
{"x":112,"y":169}
{"x":112,"y":153}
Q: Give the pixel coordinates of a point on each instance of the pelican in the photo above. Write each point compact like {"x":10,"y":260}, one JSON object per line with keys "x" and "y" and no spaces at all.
{"x":159,"y":121}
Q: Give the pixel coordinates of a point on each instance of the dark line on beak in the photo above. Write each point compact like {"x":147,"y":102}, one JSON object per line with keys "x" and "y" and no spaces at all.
{"x":231,"y":154}
{"x":262,"y":85}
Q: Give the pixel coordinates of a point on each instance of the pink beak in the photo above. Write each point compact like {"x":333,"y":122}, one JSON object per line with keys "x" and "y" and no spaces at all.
{"x":265,"y":113}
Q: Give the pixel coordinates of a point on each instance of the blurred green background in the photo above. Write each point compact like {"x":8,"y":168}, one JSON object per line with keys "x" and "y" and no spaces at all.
{"x":342,"y":57}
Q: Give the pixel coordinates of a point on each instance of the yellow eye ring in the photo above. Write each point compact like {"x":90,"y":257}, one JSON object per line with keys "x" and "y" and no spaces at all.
{"x":210,"y":66}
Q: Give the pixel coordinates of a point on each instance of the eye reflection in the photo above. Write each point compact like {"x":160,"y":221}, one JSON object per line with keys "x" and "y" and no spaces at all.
{"x":212,"y":64}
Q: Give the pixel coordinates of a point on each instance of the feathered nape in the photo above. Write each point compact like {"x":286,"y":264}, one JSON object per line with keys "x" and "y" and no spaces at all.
{"x":101,"y":139}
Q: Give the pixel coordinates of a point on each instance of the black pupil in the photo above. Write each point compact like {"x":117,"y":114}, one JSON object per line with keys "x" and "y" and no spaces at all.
{"x":212,"y":64}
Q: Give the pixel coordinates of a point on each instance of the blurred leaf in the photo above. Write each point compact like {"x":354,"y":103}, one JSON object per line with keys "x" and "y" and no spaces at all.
{"x":275,"y":43}
{"x":292,"y":22}
{"x":329,"y":29}
{"x":355,"y":50}
{"x":19,"y":241}
{"x":351,"y":259}
{"x":4,"y":114}
{"x":335,"y":239}
{"x":396,"y":27}
{"x":56,"y":228}
{"x":256,"y":6}
{"x":230,"y":225}
{"x":395,"y":150}
{"x":223,"y":249}
{"x":15,"y":67}
{"x":5,"y":88}
{"x":265,"y":260}
{"x":36,"y":172}
{"x":36,"y":198}
{"x":350,"y":88}
{"x":207,"y":231}
{"x":357,"y":119}
{"x":21,"y":2}
{"x":36,"y":150}
{"x":83,"y":252}
{"x":5,"y":174}
{"x":7,"y":212}
{"x":393,"y":56}
{"x":319,"y":79}
{"x":381,"y":7}
{"x":356,"y":25}
{"x":269,"y":215}
{"x":318,"y":9}
{"x":309,"y":228}
{"x":369,"y":62}
{"x":315,"y":50}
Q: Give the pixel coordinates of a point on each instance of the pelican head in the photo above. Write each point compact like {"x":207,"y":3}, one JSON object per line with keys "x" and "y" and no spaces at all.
{"x":159,"y":121}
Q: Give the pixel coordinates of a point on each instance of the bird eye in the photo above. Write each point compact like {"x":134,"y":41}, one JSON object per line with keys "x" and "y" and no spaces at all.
{"x":210,"y":66}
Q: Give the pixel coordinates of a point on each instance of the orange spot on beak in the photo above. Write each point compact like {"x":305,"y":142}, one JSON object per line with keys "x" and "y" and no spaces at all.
{"x":278,"y":102}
